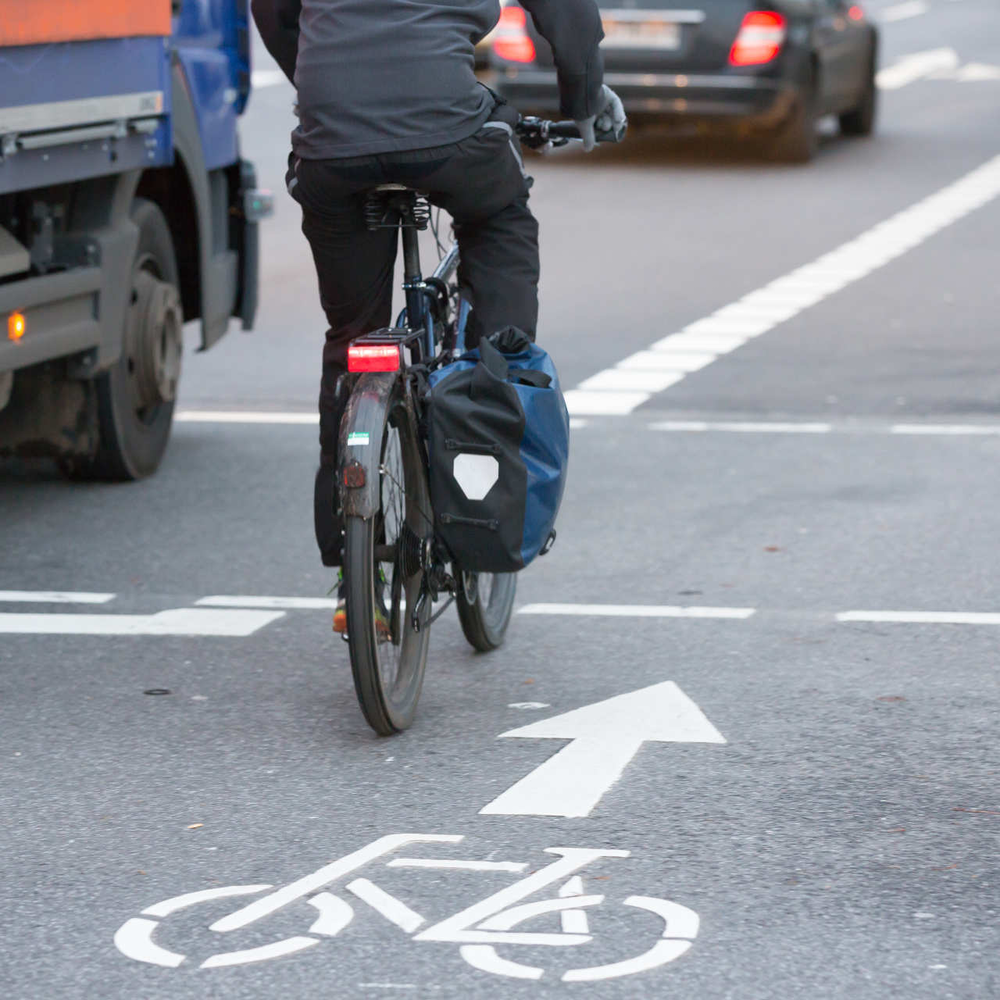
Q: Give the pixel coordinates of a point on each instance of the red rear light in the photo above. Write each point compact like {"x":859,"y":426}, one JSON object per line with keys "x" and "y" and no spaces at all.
{"x":512,"y":41}
{"x":373,"y":358}
{"x":856,"y":13}
{"x":761,"y":36}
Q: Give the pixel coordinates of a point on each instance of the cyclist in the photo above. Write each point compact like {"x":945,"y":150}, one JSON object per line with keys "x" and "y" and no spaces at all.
{"x":387,"y":94}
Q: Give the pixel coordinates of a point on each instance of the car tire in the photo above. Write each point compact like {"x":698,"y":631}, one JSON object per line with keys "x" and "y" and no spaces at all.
{"x":797,"y":140}
{"x":860,"y":120}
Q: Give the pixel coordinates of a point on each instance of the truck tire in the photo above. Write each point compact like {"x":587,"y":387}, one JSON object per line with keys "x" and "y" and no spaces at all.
{"x":136,"y":395}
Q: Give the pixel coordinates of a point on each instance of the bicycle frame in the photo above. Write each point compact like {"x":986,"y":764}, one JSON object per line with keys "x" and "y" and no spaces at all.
{"x":418,"y":315}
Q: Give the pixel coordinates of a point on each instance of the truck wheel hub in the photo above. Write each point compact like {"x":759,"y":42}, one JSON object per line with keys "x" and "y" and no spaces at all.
{"x":155,"y":340}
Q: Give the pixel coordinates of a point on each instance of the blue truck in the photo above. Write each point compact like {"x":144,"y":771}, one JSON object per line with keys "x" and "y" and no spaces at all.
{"x":126,"y":211}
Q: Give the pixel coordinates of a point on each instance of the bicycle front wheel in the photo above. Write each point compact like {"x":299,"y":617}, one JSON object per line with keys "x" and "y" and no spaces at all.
{"x":384,"y":577}
{"x":485,"y":603}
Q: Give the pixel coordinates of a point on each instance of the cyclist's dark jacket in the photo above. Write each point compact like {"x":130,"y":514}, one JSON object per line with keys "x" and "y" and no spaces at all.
{"x":380,"y":76}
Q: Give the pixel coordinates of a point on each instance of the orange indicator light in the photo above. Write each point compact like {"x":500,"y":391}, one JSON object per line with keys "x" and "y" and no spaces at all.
{"x":15,"y":326}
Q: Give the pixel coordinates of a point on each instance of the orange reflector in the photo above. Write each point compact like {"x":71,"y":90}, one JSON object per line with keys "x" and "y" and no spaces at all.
{"x":373,"y":358}
{"x":15,"y":326}
{"x":512,"y":41}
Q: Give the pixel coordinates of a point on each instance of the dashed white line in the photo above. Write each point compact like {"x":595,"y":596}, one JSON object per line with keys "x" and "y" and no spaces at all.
{"x":243,"y":417}
{"x":267,"y":78}
{"x":904,"y":11}
{"x":270,"y":603}
{"x":635,"y":611}
{"x":180,"y":621}
{"x":620,"y":390}
{"x":739,"y":427}
{"x":52,"y":597}
{"x":917,"y":66}
{"x":947,"y":430}
{"x":921,"y":617}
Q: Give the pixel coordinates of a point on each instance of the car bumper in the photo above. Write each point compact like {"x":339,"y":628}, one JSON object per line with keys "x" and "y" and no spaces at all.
{"x":723,"y":99}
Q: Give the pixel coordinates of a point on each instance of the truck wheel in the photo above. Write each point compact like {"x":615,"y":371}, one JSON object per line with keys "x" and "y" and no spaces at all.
{"x":136,"y":396}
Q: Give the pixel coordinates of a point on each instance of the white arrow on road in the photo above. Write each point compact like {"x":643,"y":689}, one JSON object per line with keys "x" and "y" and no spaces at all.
{"x":605,"y":737}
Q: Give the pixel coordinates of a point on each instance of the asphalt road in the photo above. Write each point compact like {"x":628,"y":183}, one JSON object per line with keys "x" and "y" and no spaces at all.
{"x":841,"y":842}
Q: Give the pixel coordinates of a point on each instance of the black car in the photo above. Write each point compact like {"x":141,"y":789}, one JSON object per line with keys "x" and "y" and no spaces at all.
{"x":745,"y":68}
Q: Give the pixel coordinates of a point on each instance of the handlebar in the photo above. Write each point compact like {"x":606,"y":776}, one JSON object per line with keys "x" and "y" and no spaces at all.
{"x":536,"y":132}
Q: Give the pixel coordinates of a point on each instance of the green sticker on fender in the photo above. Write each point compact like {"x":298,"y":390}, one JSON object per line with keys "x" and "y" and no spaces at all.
{"x":357,"y":439}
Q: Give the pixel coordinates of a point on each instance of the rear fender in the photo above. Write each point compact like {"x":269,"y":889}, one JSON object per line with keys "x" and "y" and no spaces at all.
{"x":361,"y":442}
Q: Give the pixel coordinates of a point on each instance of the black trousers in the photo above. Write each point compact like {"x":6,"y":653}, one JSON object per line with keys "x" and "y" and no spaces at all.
{"x":481,"y":183}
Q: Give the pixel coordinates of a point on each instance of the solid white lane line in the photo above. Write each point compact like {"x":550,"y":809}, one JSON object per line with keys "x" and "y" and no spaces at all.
{"x":744,"y":427}
{"x":394,"y":910}
{"x":903,"y":11}
{"x":274,"y":603}
{"x":180,"y":621}
{"x":634,"y":611}
{"x":921,"y":617}
{"x":734,"y":324}
{"x":52,"y":597}
{"x":244,"y":417}
{"x":915,"y":67}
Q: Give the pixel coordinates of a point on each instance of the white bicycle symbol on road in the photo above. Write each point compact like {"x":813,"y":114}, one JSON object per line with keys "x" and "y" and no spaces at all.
{"x":478,"y":929}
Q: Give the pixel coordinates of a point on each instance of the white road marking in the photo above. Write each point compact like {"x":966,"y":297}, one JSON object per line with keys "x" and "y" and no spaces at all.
{"x":268,"y":78}
{"x":736,"y":323}
{"x":334,"y":914}
{"x":277,"y":949}
{"x":917,"y":66}
{"x":179,"y":621}
{"x":903,"y":11}
{"x":273,"y":603}
{"x":448,"y":864}
{"x":739,"y":427}
{"x":635,"y":611}
{"x":605,"y":737}
{"x":976,"y":73}
{"x":52,"y":597}
{"x":394,"y":910}
{"x":309,"y":884}
{"x":134,"y":939}
{"x":947,"y":430}
{"x":922,"y":617}
{"x":244,"y":417}
{"x":574,"y":921}
{"x":680,"y":925}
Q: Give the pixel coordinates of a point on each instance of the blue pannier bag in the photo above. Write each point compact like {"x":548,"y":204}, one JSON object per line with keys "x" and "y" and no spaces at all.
{"x":498,"y":443}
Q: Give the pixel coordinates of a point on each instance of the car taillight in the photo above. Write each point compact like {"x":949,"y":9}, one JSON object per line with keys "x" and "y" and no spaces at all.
{"x":512,"y":41}
{"x":373,"y":358}
{"x":761,"y":36}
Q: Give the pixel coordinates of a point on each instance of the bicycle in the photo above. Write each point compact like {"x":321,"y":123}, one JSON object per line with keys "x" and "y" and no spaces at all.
{"x":395,"y":568}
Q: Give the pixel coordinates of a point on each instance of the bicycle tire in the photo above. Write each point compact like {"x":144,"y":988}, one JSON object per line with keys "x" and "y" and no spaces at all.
{"x":388,"y":684}
{"x":485,"y":603}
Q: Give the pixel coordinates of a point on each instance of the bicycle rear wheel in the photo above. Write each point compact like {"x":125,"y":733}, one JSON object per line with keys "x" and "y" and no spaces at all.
{"x":383,"y":576}
{"x":485,"y":603}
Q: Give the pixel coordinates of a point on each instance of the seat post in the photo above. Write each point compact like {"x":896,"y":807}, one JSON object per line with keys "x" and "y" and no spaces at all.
{"x":413,"y":280}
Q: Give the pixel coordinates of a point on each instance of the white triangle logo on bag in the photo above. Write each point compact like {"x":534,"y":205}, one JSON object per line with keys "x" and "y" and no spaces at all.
{"x":476,"y":474}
